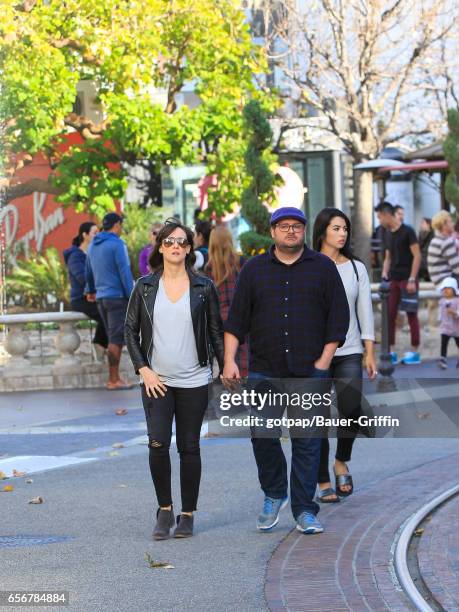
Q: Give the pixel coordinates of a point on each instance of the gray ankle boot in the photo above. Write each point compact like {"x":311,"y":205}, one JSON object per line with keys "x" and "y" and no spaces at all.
{"x":164,"y":522}
{"x":184,"y":527}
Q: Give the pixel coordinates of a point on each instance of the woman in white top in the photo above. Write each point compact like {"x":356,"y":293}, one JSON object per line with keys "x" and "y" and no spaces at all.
{"x":331,"y":236}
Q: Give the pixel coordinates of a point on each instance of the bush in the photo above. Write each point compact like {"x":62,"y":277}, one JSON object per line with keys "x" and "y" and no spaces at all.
{"x":39,"y":282}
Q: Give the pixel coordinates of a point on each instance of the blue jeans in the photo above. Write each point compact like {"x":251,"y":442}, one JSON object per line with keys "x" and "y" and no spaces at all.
{"x":272,"y":465}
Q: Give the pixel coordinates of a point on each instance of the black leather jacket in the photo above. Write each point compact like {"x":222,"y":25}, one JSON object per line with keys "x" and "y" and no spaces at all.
{"x":205,"y":314}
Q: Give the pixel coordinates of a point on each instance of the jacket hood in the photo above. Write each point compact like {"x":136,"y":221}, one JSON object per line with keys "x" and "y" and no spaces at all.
{"x":69,"y":251}
{"x":103,"y":237}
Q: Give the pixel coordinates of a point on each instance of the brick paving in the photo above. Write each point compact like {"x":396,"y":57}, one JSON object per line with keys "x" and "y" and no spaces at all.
{"x":350,"y":565}
{"x":438,"y":554}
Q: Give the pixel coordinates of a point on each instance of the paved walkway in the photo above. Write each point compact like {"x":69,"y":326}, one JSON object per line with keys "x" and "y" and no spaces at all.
{"x":438,"y":555}
{"x":350,"y":565}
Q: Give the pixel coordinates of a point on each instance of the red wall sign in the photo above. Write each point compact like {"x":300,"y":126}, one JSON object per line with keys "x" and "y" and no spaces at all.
{"x":36,"y":222}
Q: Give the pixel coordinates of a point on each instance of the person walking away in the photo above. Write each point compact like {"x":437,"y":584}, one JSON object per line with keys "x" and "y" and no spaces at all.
{"x":223,"y":268}
{"x":145,"y":253}
{"x":401,"y":266}
{"x":291,"y":301}
{"x":201,"y":243}
{"x":75,"y":260}
{"x":172,"y":315}
{"x":442,"y":255}
{"x":426,"y":234}
{"x":332,"y":237}
{"x":109,"y":282}
{"x":448,"y":317}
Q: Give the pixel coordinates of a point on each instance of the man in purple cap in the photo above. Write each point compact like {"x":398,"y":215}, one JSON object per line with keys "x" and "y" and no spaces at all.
{"x":292,"y":304}
{"x":109,"y":281}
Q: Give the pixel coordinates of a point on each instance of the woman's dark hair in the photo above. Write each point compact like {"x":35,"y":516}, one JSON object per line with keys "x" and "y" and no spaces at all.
{"x":84,"y":228}
{"x":321,"y":223}
{"x":204,"y":228}
{"x":156,"y":258}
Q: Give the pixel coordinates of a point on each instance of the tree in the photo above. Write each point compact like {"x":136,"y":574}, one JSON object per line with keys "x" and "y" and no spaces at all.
{"x":261,"y":180}
{"x":367,"y":68}
{"x":141,"y":57}
{"x":451,"y":149}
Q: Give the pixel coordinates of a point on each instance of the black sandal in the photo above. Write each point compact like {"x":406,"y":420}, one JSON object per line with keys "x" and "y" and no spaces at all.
{"x":325,"y":493}
{"x":343,"y":480}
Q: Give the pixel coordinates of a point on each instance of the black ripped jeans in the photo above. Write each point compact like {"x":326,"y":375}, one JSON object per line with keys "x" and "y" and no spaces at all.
{"x":189,"y":407}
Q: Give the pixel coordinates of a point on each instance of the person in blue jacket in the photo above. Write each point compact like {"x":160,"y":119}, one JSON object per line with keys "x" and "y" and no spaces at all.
{"x":109,"y":282}
{"x":75,"y":260}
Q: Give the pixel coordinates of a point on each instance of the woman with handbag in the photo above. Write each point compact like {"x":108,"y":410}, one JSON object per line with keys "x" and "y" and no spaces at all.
{"x":331,"y":236}
{"x":173,"y":317}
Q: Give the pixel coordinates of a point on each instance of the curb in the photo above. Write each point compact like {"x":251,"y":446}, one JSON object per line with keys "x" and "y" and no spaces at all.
{"x":402,"y":544}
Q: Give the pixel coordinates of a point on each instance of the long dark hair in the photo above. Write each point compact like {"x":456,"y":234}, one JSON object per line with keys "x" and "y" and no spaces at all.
{"x":84,"y":228}
{"x":156,"y":258}
{"x":321,"y":223}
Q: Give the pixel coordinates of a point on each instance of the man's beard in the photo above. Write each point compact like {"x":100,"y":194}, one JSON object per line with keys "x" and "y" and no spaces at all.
{"x":290,"y":248}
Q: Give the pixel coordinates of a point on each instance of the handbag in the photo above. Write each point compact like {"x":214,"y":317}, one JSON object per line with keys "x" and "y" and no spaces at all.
{"x":409,"y":302}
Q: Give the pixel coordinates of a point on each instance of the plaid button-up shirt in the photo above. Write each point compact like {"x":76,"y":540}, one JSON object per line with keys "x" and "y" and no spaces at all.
{"x":289,"y":311}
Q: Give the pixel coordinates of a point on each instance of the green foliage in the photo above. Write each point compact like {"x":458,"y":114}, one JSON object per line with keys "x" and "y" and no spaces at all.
{"x":258,"y":161}
{"x":451,"y":150}
{"x":140,"y":56}
{"x":136,"y":227}
{"x":39,"y":281}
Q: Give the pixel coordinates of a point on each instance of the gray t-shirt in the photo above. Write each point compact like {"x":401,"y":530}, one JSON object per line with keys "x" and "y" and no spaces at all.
{"x":175,"y":357}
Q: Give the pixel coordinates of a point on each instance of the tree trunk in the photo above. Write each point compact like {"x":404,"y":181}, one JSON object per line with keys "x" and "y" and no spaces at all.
{"x":362,"y":222}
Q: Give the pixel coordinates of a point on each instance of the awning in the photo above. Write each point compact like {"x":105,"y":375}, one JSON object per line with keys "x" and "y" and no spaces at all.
{"x":427,"y":166}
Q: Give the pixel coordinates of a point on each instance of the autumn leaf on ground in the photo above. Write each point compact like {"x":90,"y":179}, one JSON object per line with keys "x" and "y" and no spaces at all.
{"x":418,"y":532}
{"x":157,"y":564}
{"x":118,"y":445}
{"x":36,"y":500}
{"x":8,"y":488}
{"x":121,"y":411}
{"x":3,"y":476}
{"x":18,"y":474}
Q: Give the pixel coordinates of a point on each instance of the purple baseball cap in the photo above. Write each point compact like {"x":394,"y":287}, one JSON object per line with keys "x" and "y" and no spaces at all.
{"x":288,"y":212}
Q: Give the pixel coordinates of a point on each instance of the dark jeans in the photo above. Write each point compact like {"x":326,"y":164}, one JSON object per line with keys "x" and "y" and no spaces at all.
{"x":444,"y":344}
{"x":348,"y":369}
{"x":90,"y":309}
{"x":272,"y":465}
{"x":188,"y":406}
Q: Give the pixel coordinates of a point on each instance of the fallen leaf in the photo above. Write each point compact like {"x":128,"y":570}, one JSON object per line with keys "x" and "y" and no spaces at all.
{"x":113,"y":454}
{"x":118,"y":445}
{"x":8,"y":488}
{"x":3,"y":476}
{"x":121,"y":411}
{"x":18,"y":474}
{"x":158,"y":564}
{"x":36,"y":500}
{"x":418,"y":532}
{"x":29,"y":481}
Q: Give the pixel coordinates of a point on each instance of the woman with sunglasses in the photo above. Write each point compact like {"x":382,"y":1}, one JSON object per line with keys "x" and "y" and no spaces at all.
{"x":145,"y":253}
{"x":173,"y":316}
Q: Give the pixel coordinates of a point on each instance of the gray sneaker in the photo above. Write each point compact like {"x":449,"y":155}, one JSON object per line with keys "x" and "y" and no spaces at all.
{"x":307,"y":522}
{"x":269,"y":516}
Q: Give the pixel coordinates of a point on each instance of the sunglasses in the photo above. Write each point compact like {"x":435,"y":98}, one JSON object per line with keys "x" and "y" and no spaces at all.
{"x":168,"y":242}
